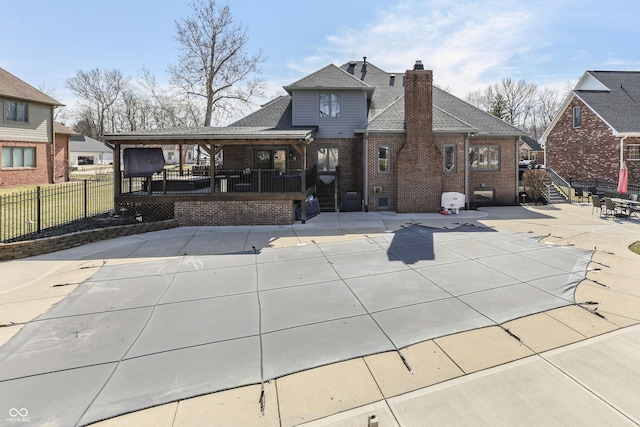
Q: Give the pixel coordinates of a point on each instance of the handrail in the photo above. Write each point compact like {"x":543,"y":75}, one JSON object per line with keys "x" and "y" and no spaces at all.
{"x":563,"y":186}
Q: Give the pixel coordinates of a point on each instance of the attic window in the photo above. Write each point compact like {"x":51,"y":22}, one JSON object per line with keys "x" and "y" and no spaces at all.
{"x":576,"y":117}
{"x":329,"y":105}
{"x":392,"y":79}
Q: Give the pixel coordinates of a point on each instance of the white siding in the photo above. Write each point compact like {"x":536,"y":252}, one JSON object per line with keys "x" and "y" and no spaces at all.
{"x":38,"y":129}
{"x":353,"y":112}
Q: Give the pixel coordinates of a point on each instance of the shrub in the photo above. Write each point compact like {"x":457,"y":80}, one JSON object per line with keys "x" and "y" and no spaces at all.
{"x":535,"y":182}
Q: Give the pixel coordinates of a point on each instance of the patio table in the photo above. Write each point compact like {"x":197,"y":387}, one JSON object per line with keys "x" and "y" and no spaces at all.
{"x":629,"y":206}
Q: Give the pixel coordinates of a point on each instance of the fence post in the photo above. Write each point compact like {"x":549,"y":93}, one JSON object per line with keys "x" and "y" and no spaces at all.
{"x":39,"y":208}
{"x":85,"y":198}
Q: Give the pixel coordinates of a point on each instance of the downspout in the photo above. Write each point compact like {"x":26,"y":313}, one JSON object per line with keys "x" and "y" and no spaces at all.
{"x":53,"y":147}
{"x":365,"y":190}
{"x":622,"y":149}
{"x":466,"y":170}
{"x":517,"y":181}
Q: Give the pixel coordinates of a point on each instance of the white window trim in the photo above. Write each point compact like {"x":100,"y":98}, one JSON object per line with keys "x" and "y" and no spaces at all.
{"x":577,"y":117}
{"x":388,"y":159}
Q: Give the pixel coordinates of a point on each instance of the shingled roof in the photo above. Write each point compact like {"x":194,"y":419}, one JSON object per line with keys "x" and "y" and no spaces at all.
{"x":614,"y":96}
{"x":13,"y":87}
{"x":386,"y":105}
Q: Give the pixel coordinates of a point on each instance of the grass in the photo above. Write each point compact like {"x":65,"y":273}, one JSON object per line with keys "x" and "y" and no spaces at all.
{"x":59,"y":204}
{"x":635,"y":248}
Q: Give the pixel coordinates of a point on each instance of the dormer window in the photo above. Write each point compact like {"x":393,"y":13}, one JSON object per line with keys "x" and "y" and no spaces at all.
{"x":329,"y":105}
{"x":576,"y":117}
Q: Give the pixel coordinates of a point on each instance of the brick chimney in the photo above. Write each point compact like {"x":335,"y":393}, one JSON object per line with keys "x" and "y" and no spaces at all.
{"x":419,"y":184}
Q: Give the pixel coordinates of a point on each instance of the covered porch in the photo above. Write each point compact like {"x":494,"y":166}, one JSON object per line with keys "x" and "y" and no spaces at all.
{"x":263,"y":177}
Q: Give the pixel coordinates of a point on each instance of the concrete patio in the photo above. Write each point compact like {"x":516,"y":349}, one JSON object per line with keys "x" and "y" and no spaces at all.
{"x":195,"y":325}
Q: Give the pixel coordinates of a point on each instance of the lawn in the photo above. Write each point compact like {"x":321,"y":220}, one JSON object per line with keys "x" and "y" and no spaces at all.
{"x":23,"y":209}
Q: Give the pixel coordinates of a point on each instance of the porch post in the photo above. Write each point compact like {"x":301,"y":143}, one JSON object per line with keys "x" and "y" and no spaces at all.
{"x":303,"y":180}
{"x":117,"y":185}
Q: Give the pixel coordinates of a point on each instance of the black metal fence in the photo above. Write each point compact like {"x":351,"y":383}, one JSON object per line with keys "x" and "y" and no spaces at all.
{"x":602,"y":187}
{"x":28,"y":213}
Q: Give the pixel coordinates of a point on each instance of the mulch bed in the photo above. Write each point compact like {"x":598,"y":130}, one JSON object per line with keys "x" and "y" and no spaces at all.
{"x":91,"y":223}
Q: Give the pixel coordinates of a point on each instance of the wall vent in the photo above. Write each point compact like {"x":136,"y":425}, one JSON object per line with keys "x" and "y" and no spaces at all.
{"x":384,"y":203}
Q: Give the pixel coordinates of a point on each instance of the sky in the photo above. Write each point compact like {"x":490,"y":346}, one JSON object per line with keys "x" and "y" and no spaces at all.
{"x":468,"y":44}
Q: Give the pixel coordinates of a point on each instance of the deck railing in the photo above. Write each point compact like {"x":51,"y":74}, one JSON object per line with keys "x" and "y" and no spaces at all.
{"x":198,"y":181}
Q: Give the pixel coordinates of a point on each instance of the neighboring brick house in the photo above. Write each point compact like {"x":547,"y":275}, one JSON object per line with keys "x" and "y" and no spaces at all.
{"x":30,"y":151}
{"x":597,"y":128}
{"x":374,"y":140}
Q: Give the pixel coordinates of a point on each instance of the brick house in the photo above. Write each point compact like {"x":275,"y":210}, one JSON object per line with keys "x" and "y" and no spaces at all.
{"x":373,"y":140}
{"x":530,"y":149}
{"x":31,"y":150}
{"x":597,"y":128}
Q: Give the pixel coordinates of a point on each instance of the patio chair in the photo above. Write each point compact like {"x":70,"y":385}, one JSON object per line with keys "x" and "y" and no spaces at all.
{"x":609,"y":206}
{"x":634,"y":209}
{"x":592,"y":191}
{"x":596,"y":204}
{"x":579,"y":193}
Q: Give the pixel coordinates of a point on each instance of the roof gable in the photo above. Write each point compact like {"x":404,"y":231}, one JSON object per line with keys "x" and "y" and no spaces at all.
{"x":614,"y":96}
{"x":13,"y":87}
{"x":87,"y":144}
{"x":329,"y":77}
{"x":386,"y":106}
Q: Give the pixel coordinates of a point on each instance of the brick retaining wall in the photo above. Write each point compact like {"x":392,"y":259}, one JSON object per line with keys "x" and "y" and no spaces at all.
{"x":234,"y":212}
{"x":47,"y":245}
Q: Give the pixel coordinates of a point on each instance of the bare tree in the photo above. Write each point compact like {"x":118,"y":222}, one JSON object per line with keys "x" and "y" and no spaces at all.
{"x":168,"y":107}
{"x":213,"y":63}
{"x":98,"y":90}
{"x":519,"y":103}
{"x":514,"y":96}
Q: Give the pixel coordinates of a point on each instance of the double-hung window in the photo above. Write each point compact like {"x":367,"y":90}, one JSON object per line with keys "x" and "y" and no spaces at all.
{"x":449,"y":159}
{"x":384,"y":159}
{"x":484,"y":158}
{"x":327,"y":159}
{"x":18,"y":157}
{"x":577,"y":117}
{"x":16,"y":111}
{"x":329,"y":105}
{"x":633,"y":152}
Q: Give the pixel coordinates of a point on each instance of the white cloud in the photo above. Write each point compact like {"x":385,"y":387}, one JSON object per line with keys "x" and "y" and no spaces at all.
{"x":469,"y":45}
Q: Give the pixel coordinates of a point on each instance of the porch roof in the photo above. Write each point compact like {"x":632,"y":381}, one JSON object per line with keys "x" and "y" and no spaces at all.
{"x":229,"y":133}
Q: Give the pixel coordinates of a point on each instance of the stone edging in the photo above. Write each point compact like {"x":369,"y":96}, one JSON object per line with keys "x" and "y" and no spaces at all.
{"x":16,"y":250}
